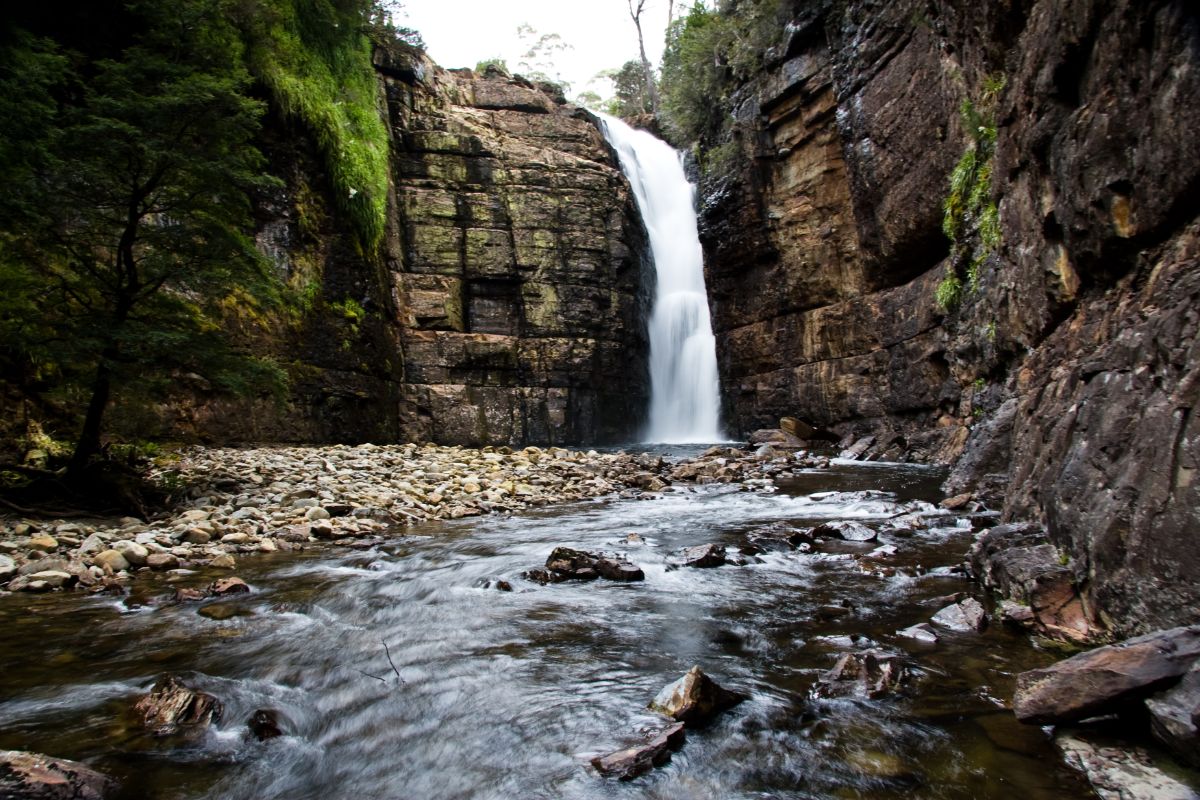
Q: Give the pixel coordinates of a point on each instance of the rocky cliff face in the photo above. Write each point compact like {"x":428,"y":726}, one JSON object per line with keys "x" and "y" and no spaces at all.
{"x":508,"y":304}
{"x":1064,"y":377}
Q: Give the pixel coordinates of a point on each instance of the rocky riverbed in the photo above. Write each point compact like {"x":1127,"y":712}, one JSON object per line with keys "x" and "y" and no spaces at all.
{"x":240,"y":502}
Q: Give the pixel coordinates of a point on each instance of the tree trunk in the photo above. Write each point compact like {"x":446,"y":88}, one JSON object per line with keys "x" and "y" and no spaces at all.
{"x":89,"y":438}
{"x":650,"y":87}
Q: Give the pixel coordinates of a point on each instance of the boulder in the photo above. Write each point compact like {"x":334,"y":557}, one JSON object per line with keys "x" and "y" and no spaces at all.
{"x":1118,"y":771}
{"x":797,"y":428}
{"x":8,"y":568}
{"x":44,"y":542}
{"x":172,"y":708}
{"x":565,"y":563}
{"x":134,"y":553}
{"x":848,"y":530}
{"x":628,"y":764}
{"x":264,"y":724}
{"x":162,"y":561}
{"x":869,"y":674}
{"x":704,"y":555}
{"x":1107,"y":678}
{"x":616,"y":570}
{"x":921,"y":632}
{"x":694,"y":698}
{"x":1175,"y":716}
{"x":110,"y":559}
{"x":197,"y":536}
{"x":965,"y":615}
{"x":33,"y":776}
{"x":227,"y":586}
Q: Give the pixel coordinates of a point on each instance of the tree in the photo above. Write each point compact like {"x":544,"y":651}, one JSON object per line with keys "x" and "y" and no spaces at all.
{"x":538,"y":61}
{"x":125,"y":223}
{"x":636,"y":13}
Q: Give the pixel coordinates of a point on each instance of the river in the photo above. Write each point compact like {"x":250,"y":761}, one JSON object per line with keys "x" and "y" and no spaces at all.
{"x":489,"y":694}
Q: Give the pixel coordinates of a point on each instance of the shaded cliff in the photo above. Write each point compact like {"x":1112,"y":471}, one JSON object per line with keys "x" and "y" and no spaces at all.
{"x":507,"y":305}
{"x":1053,"y":355}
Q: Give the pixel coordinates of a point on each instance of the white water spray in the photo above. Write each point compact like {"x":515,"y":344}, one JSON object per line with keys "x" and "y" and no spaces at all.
{"x":684,"y":395}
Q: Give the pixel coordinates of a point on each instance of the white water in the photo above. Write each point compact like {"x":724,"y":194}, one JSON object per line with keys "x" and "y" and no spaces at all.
{"x":684,"y":397}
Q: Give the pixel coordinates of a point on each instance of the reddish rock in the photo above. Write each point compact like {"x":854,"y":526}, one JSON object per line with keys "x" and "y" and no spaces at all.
{"x":33,"y":776}
{"x":1107,"y":678}
{"x":634,"y":761}
{"x":225,"y":586}
{"x":162,"y":561}
{"x":870,"y":674}
{"x":172,"y":708}
{"x":704,"y":555}
{"x":694,"y":698}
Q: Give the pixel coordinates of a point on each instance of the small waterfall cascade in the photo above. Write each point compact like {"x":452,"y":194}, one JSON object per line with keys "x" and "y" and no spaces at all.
{"x":684,"y":394}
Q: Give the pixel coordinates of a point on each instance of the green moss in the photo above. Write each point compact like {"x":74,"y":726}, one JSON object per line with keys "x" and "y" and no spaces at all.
{"x":315,"y":60}
{"x":949,"y":291}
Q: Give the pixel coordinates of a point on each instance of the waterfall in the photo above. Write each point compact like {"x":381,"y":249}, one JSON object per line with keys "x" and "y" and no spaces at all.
{"x":684,"y":396}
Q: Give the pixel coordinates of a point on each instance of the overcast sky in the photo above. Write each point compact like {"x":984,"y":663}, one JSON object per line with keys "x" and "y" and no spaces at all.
{"x":460,"y":33}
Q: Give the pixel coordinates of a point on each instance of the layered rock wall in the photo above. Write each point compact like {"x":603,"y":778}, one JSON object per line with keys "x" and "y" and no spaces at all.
{"x":1064,"y":379}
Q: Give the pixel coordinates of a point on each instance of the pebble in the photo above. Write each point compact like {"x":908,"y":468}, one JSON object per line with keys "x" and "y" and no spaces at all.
{"x":284,"y":498}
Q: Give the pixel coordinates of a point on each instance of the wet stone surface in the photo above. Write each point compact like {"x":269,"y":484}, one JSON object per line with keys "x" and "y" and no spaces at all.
{"x":398,"y":669}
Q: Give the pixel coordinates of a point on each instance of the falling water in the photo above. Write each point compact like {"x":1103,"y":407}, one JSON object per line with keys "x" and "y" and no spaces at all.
{"x":684,"y":404}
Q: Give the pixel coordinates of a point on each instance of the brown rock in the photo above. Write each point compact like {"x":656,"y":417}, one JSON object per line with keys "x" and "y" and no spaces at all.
{"x":162,"y":561}
{"x":628,"y":764}
{"x":704,"y":555}
{"x":1107,"y":678}
{"x":33,"y":776}
{"x":1175,"y":716}
{"x":956,"y":502}
{"x":872,"y":673}
{"x":172,"y":708}
{"x":694,"y":698}
{"x":264,"y":724}
{"x":227,"y":586}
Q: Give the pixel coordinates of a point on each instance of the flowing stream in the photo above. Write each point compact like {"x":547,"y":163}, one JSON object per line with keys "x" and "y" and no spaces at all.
{"x":509,"y":694}
{"x":684,"y":394}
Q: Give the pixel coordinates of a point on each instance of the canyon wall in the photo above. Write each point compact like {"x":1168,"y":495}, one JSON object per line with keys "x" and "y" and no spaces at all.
{"x":507,"y":307}
{"x":1061,"y":379}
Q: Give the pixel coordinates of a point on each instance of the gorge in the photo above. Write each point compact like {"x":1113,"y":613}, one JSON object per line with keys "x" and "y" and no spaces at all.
{"x":943,"y":275}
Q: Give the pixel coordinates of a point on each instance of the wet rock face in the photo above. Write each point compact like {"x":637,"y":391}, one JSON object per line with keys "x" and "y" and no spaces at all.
{"x":1067,"y":374}
{"x":172,"y":708}
{"x":33,"y":776}
{"x":695,"y":698}
{"x":519,"y":271}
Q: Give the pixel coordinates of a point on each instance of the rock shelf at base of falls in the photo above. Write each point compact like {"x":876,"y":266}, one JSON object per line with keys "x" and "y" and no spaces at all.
{"x":241,"y":502}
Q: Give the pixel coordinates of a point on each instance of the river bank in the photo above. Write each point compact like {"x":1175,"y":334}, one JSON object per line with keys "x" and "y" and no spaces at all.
{"x":242,"y":501}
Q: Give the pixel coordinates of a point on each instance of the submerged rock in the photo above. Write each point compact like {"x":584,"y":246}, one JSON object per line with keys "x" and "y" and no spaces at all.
{"x":870,"y":674}
{"x":922,"y":632}
{"x":1106,"y":678}
{"x":629,"y":763}
{"x":264,"y":724}
{"x":172,"y":708}
{"x":847,"y":530}
{"x":33,"y":776}
{"x":1118,"y":771}
{"x":694,"y":698}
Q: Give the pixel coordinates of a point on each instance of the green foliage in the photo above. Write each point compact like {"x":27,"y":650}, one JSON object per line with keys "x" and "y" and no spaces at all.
{"x":949,"y":291}
{"x":315,"y":59}
{"x":498,"y":63}
{"x":707,"y":52}
{"x":970,"y":218}
{"x":631,"y":94}
{"x":126,"y":214}
{"x":541,"y":50}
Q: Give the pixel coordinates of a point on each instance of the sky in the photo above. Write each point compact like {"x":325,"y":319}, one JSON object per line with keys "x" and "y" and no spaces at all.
{"x":461,"y":33}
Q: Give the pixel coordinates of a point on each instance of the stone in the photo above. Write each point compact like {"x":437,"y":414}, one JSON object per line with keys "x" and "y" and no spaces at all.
{"x":226,"y":586}
{"x":322,"y":529}
{"x":695,"y":698}
{"x":223,"y":561}
{"x":964,"y":616}
{"x":171,"y":708}
{"x":1117,"y":770}
{"x":956,"y":502}
{"x":43,"y":564}
{"x":110,"y":560}
{"x":264,"y":724}
{"x":628,"y":764}
{"x":8,"y":567}
{"x":617,"y":570}
{"x":53,"y":578}
{"x":316,"y":513}
{"x":43,"y":542}
{"x":847,"y":530}
{"x":1175,"y":716}
{"x":134,"y":553}
{"x":565,"y":563}
{"x":921,"y":632}
{"x":196,"y":536}
{"x":187,"y":595}
{"x":92,"y":544}
{"x":160,"y":562}
{"x":33,"y":776}
{"x":704,"y":555}
{"x":797,"y":428}
{"x":1107,"y":678}
{"x":236,"y":538}
{"x":869,"y":674}
{"x":195,"y":515}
